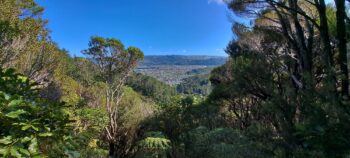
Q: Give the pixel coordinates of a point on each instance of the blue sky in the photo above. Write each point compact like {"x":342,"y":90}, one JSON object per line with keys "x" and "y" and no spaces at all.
{"x":158,"y":27}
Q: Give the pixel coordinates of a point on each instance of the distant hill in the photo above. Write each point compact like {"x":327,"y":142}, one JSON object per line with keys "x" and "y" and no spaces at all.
{"x":183,"y":60}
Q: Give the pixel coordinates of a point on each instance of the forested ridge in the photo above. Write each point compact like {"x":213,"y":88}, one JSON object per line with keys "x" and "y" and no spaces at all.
{"x":283,"y":91}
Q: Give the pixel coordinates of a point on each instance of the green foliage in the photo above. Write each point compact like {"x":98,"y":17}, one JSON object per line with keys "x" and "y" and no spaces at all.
{"x":78,"y":146}
{"x":152,"y":88}
{"x":219,"y":142}
{"x":274,"y":97}
{"x":24,"y":42}
{"x":134,"y":109}
{"x":27,"y":120}
{"x":114,"y":64}
{"x":17,"y":17}
{"x":177,"y":118}
{"x":198,"y":84}
{"x":275,"y":107}
{"x":153,"y":145}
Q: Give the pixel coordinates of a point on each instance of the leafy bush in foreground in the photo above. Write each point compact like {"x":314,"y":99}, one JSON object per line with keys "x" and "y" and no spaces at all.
{"x":28,"y":122}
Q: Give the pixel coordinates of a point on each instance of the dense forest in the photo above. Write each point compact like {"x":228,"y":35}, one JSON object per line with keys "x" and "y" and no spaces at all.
{"x":283,"y":92}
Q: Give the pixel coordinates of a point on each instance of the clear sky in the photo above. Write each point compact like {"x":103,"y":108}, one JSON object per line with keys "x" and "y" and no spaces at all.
{"x":158,"y":27}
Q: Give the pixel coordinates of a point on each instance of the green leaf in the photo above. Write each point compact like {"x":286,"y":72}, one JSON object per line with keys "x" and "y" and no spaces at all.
{"x":6,"y":140}
{"x":25,"y":126}
{"x":15,"y":102}
{"x":47,"y":134}
{"x":35,"y":128}
{"x":15,"y":114}
{"x":4,"y":152}
{"x":33,"y":147}
{"x":25,"y":139}
{"x":7,"y":97}
{"x":14,"y":152}
{"x":24,"y":151}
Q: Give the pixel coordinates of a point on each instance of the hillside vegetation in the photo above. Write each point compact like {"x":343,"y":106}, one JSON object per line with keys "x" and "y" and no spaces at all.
{"x":283,"y":92}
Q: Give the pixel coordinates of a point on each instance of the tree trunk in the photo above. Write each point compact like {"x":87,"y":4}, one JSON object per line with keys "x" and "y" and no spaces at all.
{"x":342,"y":47}
{"x":324,"y":30}
{"x":327,"y":56}
{"x":305,"y":55}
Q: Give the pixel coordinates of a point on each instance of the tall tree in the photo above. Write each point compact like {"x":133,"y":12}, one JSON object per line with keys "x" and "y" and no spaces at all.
{"x":115,"y":63}
{"x":20,"y":24}
{"x":342,"y":45}
{"x":24,"y":40}
{"x":299,"y":88}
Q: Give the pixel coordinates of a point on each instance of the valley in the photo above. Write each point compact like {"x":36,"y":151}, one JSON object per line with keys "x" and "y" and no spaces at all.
{"x":172,"y":69}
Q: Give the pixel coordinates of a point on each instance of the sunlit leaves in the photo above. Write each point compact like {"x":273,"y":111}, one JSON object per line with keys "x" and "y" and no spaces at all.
{"x":15,"y":114}
{"x":26,"y":119}
{"x":151,"y":143}
{"x":154,"y":145}
{"x":6,"y":140}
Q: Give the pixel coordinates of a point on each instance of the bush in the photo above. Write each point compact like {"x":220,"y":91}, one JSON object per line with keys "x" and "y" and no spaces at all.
{"x":29,"y":123}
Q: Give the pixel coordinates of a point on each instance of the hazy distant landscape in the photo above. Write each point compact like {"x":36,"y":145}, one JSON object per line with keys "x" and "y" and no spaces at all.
{"x":183,"y":60}
{"x":172,"y":69}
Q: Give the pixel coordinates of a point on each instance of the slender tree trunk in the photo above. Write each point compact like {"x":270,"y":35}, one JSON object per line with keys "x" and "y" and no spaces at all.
{"x":300,"y":38}
{"x":327,"y":56}
{"x":341,"y":35}
{"x":324,"y":30}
